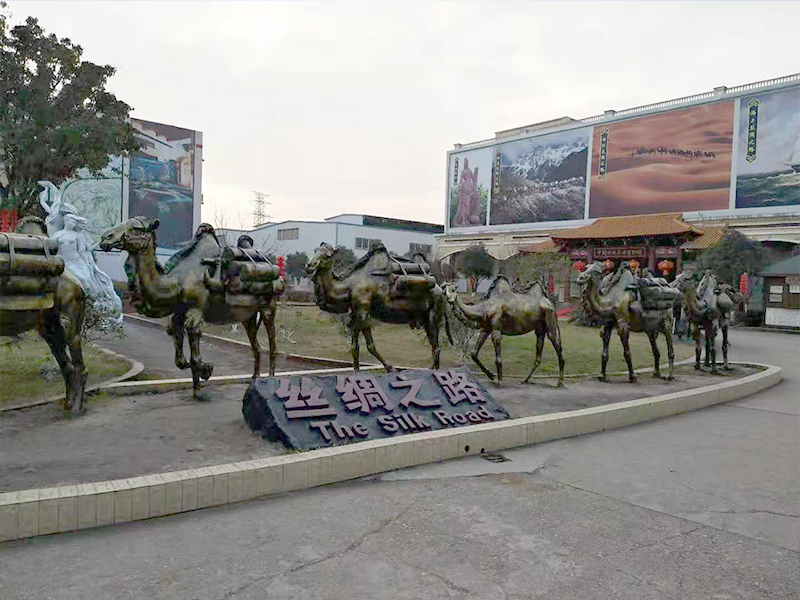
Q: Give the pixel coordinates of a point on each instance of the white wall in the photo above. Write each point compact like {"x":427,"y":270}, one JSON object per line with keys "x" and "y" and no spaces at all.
{"x":113,"y":263}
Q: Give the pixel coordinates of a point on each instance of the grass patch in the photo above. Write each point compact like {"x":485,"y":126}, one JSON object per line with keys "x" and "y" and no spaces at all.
{"x":309,"y":331}
{"x":28,"y":369}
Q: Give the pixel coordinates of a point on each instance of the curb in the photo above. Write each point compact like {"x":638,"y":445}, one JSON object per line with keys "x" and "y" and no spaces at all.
{"x":30,"y":513}
{"x":136,"y":368}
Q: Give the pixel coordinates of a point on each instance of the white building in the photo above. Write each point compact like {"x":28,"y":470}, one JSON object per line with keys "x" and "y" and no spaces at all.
{"x":356,"y":232}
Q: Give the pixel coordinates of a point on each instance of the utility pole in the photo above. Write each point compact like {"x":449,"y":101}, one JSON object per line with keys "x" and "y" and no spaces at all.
{"x":260,"y":215}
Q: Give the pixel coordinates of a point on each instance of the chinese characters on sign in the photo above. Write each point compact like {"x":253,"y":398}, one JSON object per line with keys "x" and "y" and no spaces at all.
{"x":620,"y":252}
{"x":308,"y":412}
{"x":602,"y":165}
{"x":752,"y":129}
{"x":455,"y":173}
{"x":498,"y":155}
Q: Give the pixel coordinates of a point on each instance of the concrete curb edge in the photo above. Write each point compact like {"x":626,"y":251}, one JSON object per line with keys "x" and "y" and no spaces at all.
{"x":30,"y":513}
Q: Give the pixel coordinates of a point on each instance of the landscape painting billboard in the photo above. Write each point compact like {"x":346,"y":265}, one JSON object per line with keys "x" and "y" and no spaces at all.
{"x":98,"y":197}
{"x":675,"y":161}
{"x":541,"y":178}
{"x":768,"y":154}
{"x":469,"y":181}
{"x":162,"y":180}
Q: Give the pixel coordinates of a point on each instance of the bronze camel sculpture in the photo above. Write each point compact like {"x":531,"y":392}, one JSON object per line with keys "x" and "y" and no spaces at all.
{"x":58,"y":317}
{"x":630,"y":305}
{"x":383,"y":287}
{"x":186,"y":290}
{"x":504,"y":312}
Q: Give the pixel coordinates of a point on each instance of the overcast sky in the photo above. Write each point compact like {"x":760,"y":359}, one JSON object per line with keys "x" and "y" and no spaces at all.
{"x":351,"y":107}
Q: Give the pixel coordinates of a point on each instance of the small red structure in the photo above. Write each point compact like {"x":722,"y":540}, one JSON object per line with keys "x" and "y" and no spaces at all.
{"x":665,"y":266}
{"x":281,"y":266}
{"x":579,"y":265}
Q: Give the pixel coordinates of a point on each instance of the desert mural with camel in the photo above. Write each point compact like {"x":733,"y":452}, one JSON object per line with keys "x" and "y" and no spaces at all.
{"x":675,"y":161}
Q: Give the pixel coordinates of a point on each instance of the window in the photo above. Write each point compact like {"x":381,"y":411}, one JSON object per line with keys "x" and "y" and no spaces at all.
{"x":289,"y":234}
{"x":365,"y":243}
{"x":425,"y":249}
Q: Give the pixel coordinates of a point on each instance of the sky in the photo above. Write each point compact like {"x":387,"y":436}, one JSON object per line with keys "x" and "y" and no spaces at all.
{"x":341,"y":107}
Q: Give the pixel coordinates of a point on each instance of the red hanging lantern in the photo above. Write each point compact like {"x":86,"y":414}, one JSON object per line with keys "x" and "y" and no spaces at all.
{"x":633,"y":263}
{"x":743,"y":283}
{"x":665,"y":266}
{"x":281,"y":266}
{"x":608,"y":264}
{"x":579,"y":265}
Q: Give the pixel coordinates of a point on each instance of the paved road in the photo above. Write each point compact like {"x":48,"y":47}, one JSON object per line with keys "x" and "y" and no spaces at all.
{"x":703,"y":505}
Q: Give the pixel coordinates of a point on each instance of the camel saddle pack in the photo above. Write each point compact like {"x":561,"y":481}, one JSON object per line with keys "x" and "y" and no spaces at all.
{"x":29,"y":271}
{"x":405,"y":274}
{"x":655,"y":293}
{"x":243,"y":272}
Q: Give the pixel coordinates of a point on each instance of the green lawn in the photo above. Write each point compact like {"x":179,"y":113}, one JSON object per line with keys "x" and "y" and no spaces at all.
{"x":307,"y":330}
{"x":29,"y":371}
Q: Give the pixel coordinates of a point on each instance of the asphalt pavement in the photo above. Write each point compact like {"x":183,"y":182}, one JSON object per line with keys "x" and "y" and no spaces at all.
{"x":703,"y":505}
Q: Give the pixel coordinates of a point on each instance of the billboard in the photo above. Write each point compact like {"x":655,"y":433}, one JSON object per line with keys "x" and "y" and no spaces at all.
{"x":469,"y":182}
{"x":670,"y":162}
{"x":162,"y":180}
{"x":768,"y":154}
{"x":97,"y":197}
{"x":541,"y":178}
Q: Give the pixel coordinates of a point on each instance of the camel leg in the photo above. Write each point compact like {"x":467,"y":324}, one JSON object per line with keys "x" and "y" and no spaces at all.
{"x":670,"y":351}
{"x":176,"y":330}
{"x":724,"y":327}
{"x":432,"y":331}
{"x":268,"y":318}
{"x":624,"y":337}
{"x":539,"y":349}
{"x":697,"y":348}
{"x":481,"y":341}
{"x":653,"y":337}
{"x":194,"y":328}
{"x":711,"y":349}
{"x":355,"y":331}
{"x":554,"y":333}
{"x":605,"y":334}
{"x":251,"y":327}
{"x":497,"y":339}
{"x":372,"y":349}
{"x":53,"y":333}
{"x":79,"y":372}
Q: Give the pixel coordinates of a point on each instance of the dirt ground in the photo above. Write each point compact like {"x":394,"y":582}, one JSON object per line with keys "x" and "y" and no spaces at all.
{"x":126,"y":436}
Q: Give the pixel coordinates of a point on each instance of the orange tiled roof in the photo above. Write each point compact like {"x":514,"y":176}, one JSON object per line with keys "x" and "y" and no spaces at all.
{"x":547,"y":245}
{"x":625,"y":227}
{"x":711,"y":237}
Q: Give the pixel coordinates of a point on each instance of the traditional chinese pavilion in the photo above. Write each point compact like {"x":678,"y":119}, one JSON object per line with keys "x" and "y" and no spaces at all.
{"x":657,"y":242}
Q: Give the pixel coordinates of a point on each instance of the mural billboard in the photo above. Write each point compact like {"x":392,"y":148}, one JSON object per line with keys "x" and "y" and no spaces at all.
{"x":674,"y":161}
{"x":541,"y":178}
{"x":768,"y":154}
{"x":162,"y":180}
{"x":97,"y":197}
{"x":469,"y":182}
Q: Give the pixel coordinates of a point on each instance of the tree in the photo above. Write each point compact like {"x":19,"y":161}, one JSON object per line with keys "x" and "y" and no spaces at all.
{"x":475,"y":262}
{"x":733,"y":255}
{"x":295,"y":264}
{"x":56,"y":115}
{"x":343,"y":258}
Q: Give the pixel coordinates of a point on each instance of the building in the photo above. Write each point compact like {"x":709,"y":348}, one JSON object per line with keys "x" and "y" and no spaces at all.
{"x":782,"y":293}
{"x":651,"y":183}
{"x":356,"y":232}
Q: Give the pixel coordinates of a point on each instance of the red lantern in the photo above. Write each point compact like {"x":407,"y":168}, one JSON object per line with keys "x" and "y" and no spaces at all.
{"x":665,"y":266}
{"x":743,"y":283}
{"x":579,"y":265}
{"x":281,"y":266}
{"x":608,"y":264}
{"x":634,"y":264}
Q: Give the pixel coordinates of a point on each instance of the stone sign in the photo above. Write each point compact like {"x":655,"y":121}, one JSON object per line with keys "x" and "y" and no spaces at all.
{"x":311,"y":412}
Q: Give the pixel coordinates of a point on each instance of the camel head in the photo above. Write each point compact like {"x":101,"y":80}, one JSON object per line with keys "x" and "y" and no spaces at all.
{"x":684,"y":281}
{"x":133,"y":235}
{"x":450,"y":292}
{"x":323,"y":257}
{"x":593,"y":270}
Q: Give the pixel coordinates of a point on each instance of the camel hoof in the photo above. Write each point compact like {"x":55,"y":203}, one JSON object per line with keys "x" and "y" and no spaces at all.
{"x":560,"y":384}
{"x":204,"y":370}
{"x":697,"y":366}
{"x":656,"y":375}
{"x":182,"y":364}
{"x":727,"y":368}
{"x":602,"y":378}
{"x":669,"y":378}
{"x":632,"y":379}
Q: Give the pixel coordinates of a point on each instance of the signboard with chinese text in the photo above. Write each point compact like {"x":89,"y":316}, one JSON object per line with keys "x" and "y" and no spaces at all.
{"x":312,"y":412}
{"x":620,"y":252}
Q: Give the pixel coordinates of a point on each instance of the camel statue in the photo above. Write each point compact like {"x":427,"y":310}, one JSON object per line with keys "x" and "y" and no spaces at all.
{"x":707,"y":308}
{"x":186,"y":290}
{"x":630,"y":305}
{"x":380,"y":286}
{"x":56,"y":314}
{"x":504,"y":312}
